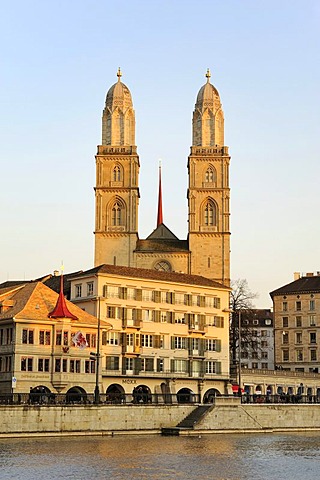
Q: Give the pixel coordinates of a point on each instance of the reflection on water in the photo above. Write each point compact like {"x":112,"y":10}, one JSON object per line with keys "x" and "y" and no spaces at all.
{"x":218,"y":457}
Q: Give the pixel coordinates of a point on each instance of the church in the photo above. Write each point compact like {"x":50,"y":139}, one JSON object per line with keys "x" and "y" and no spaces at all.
{"x":206,"y":251}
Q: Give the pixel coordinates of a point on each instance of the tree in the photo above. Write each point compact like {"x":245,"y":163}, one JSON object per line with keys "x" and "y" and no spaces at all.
{"x":242,"y":308}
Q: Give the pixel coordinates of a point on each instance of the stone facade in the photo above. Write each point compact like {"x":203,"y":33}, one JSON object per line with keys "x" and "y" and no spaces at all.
{"x":297,"y":324}
{"x":207,"y":249}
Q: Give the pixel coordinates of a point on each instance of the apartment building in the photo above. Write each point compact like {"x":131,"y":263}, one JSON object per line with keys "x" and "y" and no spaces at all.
{"x":297,"y":321}
{"x":169,"y":331}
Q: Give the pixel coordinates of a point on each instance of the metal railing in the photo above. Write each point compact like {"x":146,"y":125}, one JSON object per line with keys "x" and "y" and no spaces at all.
{"x":280,"y":399}
{"x":139,"y":398}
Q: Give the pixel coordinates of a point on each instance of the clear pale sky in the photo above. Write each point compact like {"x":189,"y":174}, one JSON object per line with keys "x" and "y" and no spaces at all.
{"x":59,"y":58}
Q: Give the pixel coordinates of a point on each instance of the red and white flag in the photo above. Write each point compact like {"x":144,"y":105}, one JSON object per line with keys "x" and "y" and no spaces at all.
{"x":79,"y":340}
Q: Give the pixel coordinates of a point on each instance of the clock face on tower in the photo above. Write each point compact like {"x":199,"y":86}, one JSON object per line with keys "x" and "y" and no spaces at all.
{"x":163,"y":266}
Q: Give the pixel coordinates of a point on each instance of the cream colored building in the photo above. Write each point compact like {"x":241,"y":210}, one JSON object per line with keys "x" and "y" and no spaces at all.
{"x":206,"y":251}
{"x":37,"y":351}
{"x":296,"y":309}
{"x":170,"y":331}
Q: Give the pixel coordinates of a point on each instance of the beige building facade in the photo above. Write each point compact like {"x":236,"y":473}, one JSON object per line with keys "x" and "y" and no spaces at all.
{"x":206,"y":251}
{"x":297,"y":324}
{"x":169,"y":331}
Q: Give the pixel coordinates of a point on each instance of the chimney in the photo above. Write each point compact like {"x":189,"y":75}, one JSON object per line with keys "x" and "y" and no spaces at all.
{"x":309,"y":274}
{"x":56,"y":273}
{"x":296,"y":276}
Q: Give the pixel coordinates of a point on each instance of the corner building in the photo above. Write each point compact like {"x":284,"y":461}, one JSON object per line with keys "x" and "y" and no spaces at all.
{"x":206,"y":251}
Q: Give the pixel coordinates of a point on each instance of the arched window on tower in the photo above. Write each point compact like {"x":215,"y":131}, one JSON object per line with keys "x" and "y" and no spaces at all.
{"x":117,"y":173}
{"x":117,"y":214}
{"x":209,"y":213}
{"x":210,"y":175}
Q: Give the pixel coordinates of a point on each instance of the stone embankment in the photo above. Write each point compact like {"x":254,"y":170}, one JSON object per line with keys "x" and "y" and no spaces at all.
{"x":225,"y":416}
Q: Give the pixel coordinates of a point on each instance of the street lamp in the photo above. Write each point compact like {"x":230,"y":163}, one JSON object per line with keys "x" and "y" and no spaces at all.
{"x":239,"y":363}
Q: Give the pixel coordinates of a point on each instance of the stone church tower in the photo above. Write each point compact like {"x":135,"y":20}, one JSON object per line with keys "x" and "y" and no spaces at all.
{"x":117,"y":181}
{"x":209,"y":192}
{"x":206,"y":251}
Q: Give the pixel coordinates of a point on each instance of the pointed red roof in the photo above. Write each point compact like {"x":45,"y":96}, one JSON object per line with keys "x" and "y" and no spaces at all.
{"x":61,"y":310}
{"x":160,"y":216}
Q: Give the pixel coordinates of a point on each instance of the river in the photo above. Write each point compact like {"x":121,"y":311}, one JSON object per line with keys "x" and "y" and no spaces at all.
{"x":217,"y":457}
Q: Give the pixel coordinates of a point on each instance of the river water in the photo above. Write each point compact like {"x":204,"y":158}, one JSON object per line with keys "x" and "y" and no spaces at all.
{"x":217,"y":457}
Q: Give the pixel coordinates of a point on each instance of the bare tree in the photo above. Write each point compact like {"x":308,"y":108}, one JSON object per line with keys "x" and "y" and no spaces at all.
{"x":242,"y":309}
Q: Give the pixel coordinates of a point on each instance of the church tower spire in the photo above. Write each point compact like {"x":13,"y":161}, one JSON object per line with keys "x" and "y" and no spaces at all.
{"x":117,"y":180}
{"x":209,"y":192}
{"x":160,"y":215}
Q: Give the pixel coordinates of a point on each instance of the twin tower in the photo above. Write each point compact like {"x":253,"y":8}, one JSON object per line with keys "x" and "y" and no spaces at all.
{"x":206,"y":251}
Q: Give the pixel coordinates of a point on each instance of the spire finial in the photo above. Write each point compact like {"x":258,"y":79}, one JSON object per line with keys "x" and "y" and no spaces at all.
{"x":119,"y":74}
{"x":160,"y":215}
{"x":208,"y":75}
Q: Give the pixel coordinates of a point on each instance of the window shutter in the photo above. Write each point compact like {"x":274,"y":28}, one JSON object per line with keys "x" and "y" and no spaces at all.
{"x":202,"y":300}
{"x":123,"y":365}
{"x":172,"y":343}
{"x":137,"y":366}
{"x":202,"y":344}
{"x":202,"y":321}
{"x":172,"y":365}
{"x":105,"y":291}
{"x":218,"y":367}
{"x":139,"y":294}
{"x":218,"y":345}
{"x":156,"y":341}
{"x":139,"y":315}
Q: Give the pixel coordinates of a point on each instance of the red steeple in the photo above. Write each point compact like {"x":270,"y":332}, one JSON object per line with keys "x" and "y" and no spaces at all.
{"x":61,"y":310}
{"x":160,"y":217}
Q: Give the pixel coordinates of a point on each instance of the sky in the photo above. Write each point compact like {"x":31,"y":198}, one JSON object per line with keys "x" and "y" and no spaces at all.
{"x":59,"y":58}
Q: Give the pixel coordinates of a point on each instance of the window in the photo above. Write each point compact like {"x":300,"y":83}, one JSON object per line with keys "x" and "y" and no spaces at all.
{"x":112,"y":338}
{"x":131,"y":293}
{"x":129,"y":363}
{"x":147,"y":295}
{"x":255,"y":322}
{"x":179,"y":298}
{"x":298,"y":306}
{"x":213,"y":345}
{"x":57,"y":365}
{"x":146,"y":315}
{"x":180,"y":366}
{"x":312,"y":305}
{"x":285,"y":338}
{"x":254,"y":355}
{"x":298,"y":337}
{"x":65,"y":338}
{"x":264,"y":355}
{"x":26,"y":364}
{"x":285,"y":355}
{"x":90,"y":366}
{"x":74,"y":366}
{"x":255,"y":365}
{"x":285,"y":322}
{"x":299,"y":355}
{"x":264,"y":366}
{"x":147,"y":364}
{"x":313,"y":337}
{"x":210,"y":175}
{"x":160,"y":365}
{"x":163,"y":266}
{"x":116,"y":174}
{"x":27,"y":336}
{"x":179,"y":342}
{"x":112,"y":291}
{"x":195,"y":343}
{"x":89,"y":289}
{"x":212,"y":367}
{"x":313,"y":355}
{"x":209,"y":213}
{"x":117,"y":214}
{"x":146,"y":340}
{"x":64,"y":365}
{"x":78,"y":290}
{"x":216,"y":302}
{"x":264,"y":344}
{"x":45,"y":337}
{"x":43,"y":364}
{"x":312,"y":320}
{"x":264,"y":333}
{"x":91,"y":340}
{"x":112,"y":363}
{"x":285,"y":306}
{"x":58,"y":337}
{"x":298,"y":321}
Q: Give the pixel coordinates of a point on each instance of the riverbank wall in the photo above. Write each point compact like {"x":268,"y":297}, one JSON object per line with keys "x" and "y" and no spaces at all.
{"x":223,"y":417}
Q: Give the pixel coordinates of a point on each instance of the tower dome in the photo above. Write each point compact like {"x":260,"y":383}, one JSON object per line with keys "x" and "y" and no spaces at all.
{"x":118,"y":120}
{"x":208,"y":119}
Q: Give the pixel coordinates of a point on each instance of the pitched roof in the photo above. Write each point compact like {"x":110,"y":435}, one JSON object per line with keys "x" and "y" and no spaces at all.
{"x":145,"y":273}
{"x":34,"y":301}
{"x":157,"y":245}
{"x":52,"y":281}
{"x":302,"y":285}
